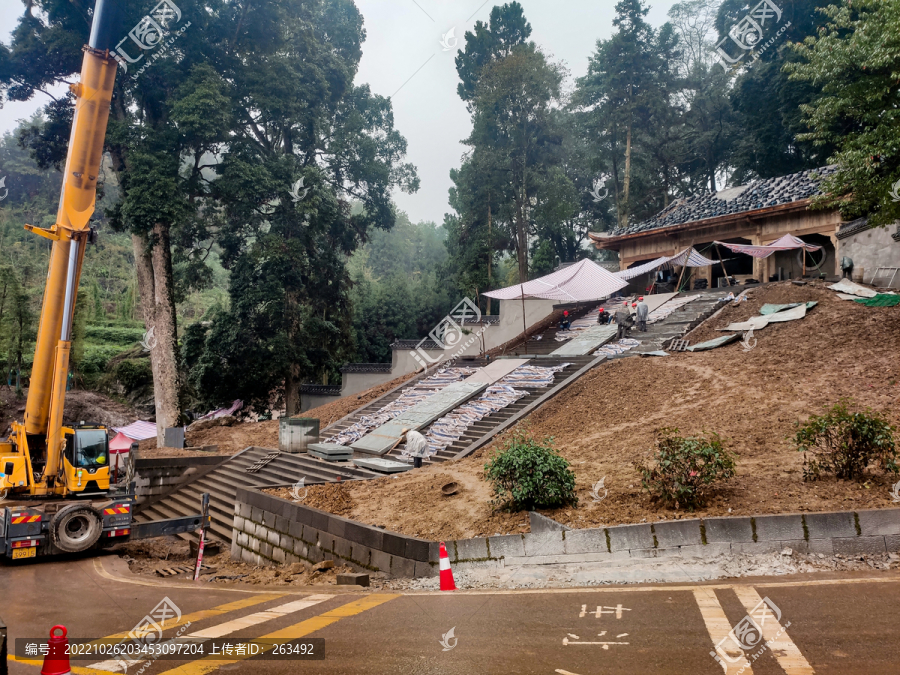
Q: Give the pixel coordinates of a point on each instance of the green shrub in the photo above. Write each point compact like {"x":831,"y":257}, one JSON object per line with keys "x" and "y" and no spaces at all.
{"x":685,"y":470}
{"x":133,"y":373}
{"x":845,"y":443}
{"x":526,"y":474}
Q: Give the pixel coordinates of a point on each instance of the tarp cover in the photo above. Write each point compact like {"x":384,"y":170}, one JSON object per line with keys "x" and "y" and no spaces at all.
{"x":786,"y":243}
{"x":689,"y":255}
{"x":880,"y":300}
{"x":581,"y":282}
{"x":852,"y":288}
{"x":715,"y":342}
{"x":758,"y":322}
{"x":138,"y":431}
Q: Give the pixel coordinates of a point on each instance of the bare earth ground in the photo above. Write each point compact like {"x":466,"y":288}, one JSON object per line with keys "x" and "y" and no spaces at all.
{"x":147,"y":556}
{"x":232,"y":439}
{"x":606,"y":421}
{"x":81,"y":406}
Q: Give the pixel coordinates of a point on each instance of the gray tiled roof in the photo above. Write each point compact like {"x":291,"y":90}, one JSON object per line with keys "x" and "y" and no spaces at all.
{"x":366,"y":368}
{"x":758,"y":194}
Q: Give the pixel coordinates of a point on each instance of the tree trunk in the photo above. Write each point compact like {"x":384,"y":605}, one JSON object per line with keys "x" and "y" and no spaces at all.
{"x":291,"y":383}
{"x":521,"y":241}
{"x":154,"y":272}
{"x":625,"y":206}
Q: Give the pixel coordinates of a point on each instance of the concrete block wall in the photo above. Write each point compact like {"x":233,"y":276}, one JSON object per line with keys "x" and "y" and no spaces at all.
{"x":844,"y":532}
{"x":157,"y":476}
{"x":273,"y":531}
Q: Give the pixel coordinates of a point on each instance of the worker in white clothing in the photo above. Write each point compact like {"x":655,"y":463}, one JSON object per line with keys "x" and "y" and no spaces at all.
{"x":416,"y":446}
{"x":643,"y":311}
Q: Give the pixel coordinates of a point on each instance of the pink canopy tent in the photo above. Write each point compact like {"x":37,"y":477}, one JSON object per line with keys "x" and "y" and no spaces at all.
{"x":582,"y":282}
{"x":139,"y":431}
{"x":787,"y":243}
{"x":120,"y":444}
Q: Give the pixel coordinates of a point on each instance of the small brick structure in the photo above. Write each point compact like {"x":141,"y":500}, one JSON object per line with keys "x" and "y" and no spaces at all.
{"x":158,"y":476}
{"x":269,"y":530}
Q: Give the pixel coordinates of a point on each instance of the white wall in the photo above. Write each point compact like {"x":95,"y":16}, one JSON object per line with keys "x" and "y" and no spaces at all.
{"x":870,"y":249}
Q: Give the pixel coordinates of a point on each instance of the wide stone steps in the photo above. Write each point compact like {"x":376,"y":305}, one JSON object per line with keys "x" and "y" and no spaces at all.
{"x":222,"y":482}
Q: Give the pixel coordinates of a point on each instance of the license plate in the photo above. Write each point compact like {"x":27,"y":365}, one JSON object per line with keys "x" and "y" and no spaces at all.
{"x":24,"y":552}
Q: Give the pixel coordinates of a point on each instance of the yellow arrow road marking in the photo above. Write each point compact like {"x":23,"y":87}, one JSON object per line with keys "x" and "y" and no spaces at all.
{"x":298,"y":630}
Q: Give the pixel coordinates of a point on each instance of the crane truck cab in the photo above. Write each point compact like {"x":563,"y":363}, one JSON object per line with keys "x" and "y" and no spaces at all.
{"x":84,"y":469}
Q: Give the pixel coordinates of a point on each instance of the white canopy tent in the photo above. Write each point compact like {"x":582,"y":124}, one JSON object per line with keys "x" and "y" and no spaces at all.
{"x":582,"y":282}
{"x":689,"y":257}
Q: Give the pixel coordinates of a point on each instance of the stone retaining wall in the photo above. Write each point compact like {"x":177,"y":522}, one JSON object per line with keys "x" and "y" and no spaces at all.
{"x":845,"y":532}
{"x":273,"y":531}
{"x":158,"y":476}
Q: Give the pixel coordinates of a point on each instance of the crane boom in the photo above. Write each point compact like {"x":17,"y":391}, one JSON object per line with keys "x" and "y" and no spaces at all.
{"x":41,"y":439}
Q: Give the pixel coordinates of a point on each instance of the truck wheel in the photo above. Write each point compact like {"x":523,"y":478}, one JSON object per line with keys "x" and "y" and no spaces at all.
{"x":76,"y":529}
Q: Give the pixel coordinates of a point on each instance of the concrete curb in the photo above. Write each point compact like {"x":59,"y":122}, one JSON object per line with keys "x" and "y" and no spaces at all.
{"x":844,"y":532}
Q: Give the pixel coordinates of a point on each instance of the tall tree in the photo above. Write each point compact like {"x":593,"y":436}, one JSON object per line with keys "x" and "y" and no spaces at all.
{"x":514,"y":124}
{"x":854,"y":62}
{"x":621,"y":88}
{"x":306,"y":144}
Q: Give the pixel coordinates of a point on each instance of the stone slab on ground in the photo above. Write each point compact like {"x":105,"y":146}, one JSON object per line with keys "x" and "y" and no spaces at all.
{"x":353,"y":579}
{"x":381,"y":465}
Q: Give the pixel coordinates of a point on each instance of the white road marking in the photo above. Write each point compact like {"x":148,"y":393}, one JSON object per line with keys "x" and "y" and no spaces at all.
{"x":782,"y":647}
{"x":229,"y":627}
{"x":718,"y":627}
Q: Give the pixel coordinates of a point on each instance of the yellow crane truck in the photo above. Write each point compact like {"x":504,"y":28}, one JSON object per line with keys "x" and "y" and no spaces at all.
{"x":55,"y":492}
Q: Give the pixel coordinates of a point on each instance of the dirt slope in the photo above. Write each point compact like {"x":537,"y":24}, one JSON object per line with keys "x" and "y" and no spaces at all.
{"x":606,"y":421}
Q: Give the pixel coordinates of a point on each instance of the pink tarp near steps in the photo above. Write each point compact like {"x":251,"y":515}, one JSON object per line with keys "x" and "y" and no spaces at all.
{"x":787,"y":243}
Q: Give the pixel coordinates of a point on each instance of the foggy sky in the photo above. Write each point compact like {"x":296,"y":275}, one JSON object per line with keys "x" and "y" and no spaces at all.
{"x":403,"y":58}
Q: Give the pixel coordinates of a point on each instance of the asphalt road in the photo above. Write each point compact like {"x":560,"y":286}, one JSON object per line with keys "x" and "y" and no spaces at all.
{"x":840,"y":624}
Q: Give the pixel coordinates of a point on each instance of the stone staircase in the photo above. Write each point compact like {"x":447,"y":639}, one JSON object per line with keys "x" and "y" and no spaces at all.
{"x":222,"y":481}
{"x":678,"y":323}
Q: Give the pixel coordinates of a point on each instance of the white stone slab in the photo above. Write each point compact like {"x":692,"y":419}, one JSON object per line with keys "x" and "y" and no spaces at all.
{"x":495,"y":370}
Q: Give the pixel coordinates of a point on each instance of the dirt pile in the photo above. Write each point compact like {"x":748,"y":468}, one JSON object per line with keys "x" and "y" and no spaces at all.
{"x":81,"y":406}
{"x":151,"y":556}
{"x":608,"y":419}
{"x":331,"y":497}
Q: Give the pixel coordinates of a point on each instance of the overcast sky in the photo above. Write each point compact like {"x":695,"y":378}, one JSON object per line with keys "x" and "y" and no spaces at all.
{"x":403,"y":58}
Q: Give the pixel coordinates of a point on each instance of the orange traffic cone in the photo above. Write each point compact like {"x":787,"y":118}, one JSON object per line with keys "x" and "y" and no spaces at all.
{"x":447,"y":583}
{"x":56,"y":662}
